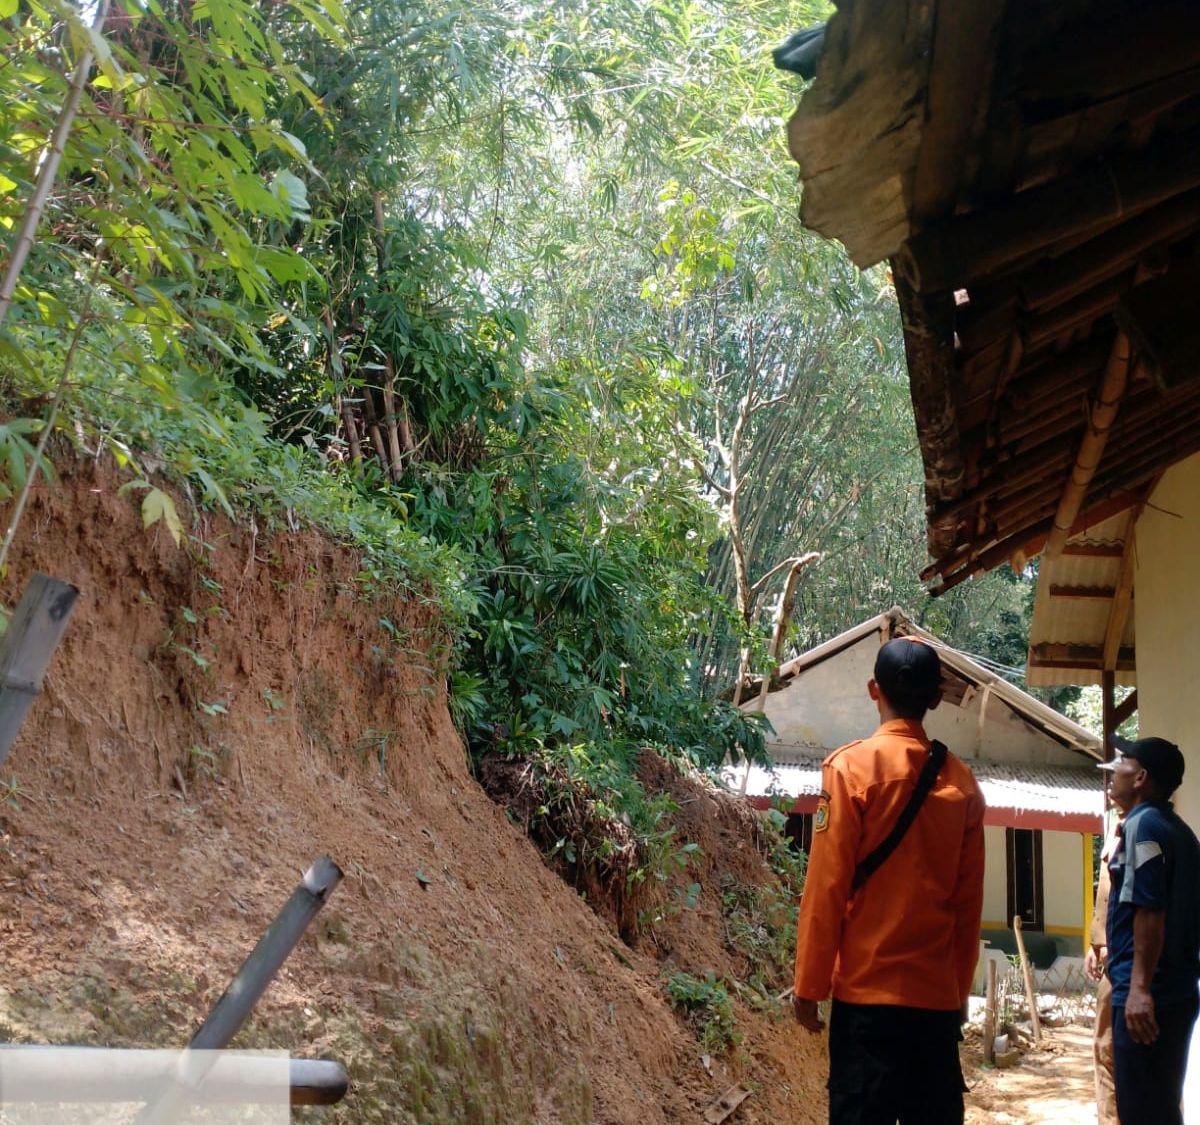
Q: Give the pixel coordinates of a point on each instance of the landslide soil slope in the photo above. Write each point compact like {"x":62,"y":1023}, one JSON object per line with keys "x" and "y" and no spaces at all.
{"x":217,"y":717}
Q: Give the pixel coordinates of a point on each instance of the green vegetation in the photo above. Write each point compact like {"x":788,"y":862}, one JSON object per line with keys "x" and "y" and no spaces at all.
{"x":512,"y":300}
{"x":708,"y":1007}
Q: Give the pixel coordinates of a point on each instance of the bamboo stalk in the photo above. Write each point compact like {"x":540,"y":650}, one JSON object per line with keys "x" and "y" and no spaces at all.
{"x":372,"y":422}
{"x":394,"y":465}
{"x":49,"y":169}
{"x":333,"y":368}
{"x":60,"y":393}
{"x":351,"y":427}
{"x":1038,"y":455}
{"x":1091,"y":449}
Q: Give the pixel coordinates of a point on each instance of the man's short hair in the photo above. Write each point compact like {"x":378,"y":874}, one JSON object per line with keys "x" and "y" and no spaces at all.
{"x":909,"y":673}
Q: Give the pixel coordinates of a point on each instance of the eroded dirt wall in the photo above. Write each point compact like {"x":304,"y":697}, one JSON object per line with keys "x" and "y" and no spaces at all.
{"x":215,"y":718}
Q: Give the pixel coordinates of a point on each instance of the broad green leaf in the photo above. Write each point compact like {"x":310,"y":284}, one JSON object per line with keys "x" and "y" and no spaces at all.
{"x":157,"y":505}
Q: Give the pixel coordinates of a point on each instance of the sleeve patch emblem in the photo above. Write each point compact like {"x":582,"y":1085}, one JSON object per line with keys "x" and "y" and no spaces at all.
{"x":821,"y":817}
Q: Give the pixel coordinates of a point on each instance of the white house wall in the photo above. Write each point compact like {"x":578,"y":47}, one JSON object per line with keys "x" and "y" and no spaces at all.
{"x":827,"y":705}
{"x":1167,"y":608}
{"x":1166,"y":602}
{"x":1063,"y":878}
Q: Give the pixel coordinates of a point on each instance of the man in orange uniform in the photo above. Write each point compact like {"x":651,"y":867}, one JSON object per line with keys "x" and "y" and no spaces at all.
{"x":898,"y":951}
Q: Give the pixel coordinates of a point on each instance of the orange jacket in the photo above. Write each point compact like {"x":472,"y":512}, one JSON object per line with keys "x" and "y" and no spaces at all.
{"x":910,"y":936}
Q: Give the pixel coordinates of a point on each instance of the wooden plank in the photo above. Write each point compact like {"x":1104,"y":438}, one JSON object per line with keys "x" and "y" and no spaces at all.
{"x":1083,"y":593}
{"x":33,"y":634}
{"x":1067,"y":276}
{"x":964,"y":43}
{"x":1160,"y":317}
{"x":1044,"y":328}
{"x":1108,"y":684}
{"x":967,"y":558}
{"x":1059,"y":655}
{"x":1125,"y":708}
{"x":857,"y":131}
{"x":1094,"y":550}
{"x":723,"y":1108}
{"x":1094,"y":59}
{"x":1027,"y":973}
{"x":928,"y":336}
{"x":958,"y":251}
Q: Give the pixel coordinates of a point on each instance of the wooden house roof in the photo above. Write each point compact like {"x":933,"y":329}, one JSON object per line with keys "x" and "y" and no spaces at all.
{"x":960,"y":675}
{"x":1031,"y":169}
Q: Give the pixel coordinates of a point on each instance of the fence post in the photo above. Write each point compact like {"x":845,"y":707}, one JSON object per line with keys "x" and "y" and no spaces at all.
{"x":1027,"y":972}
{"x":989,"y":1015}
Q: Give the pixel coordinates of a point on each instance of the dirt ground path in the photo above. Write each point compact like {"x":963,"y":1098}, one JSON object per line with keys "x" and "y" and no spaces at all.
{"x":1052,"y":1086}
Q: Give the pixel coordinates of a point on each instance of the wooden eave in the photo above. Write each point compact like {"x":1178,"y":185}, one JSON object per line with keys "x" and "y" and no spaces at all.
{"x":1032,"y":171}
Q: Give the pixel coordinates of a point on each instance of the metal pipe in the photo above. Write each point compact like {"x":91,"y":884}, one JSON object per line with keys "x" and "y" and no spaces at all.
{"x":33,"y":634}
{"x":251,"y":980}
{"x":268,"y":956}
{"x":82,"y":1075}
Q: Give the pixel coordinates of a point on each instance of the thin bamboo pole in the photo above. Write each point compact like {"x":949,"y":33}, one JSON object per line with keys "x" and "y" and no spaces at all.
{"x":49,"y":169}
{"x":390,"y":422}
{"x":60,"y":393}
{"x":1091,"y":449}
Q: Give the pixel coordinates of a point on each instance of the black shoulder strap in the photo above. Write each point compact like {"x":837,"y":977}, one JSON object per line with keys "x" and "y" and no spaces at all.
{"x":926,"y":778}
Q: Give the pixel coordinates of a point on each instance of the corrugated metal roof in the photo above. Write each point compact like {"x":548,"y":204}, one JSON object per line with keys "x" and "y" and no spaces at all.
{"x":1016,"y":786}
{"x":1077,"y":622}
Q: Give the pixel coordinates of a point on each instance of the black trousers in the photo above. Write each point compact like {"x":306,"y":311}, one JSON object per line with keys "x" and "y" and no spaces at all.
{"x":890,"y":1064}
{"x":1149,"y":1079}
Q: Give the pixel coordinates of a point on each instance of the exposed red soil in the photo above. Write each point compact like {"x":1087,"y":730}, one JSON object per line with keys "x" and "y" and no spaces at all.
{"x":216,"y":718}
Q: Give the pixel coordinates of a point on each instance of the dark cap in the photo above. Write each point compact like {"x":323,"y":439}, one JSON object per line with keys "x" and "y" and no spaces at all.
{"x":1161,"y":759}
{"x":909,"y":673}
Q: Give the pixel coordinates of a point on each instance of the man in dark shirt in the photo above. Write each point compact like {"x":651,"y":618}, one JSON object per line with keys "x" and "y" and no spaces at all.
{"x":1153,"y":933}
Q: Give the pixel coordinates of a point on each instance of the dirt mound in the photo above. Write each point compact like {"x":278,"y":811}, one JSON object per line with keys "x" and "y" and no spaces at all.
{"x":218,"y":716}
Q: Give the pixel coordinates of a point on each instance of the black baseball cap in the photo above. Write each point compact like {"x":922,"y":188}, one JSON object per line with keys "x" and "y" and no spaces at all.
{"x":1161,"y":759}
{"x":909,"y":673}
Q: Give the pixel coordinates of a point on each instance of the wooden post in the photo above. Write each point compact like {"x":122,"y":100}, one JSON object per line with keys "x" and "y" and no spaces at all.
{"x":989,"y":1015}
{"x":33,"y":634}
{"x":1027,"y":973}
{"x":1108,"y":703}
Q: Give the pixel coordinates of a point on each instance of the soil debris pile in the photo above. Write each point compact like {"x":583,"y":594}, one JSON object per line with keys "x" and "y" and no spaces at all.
{"x":217,"y":717}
